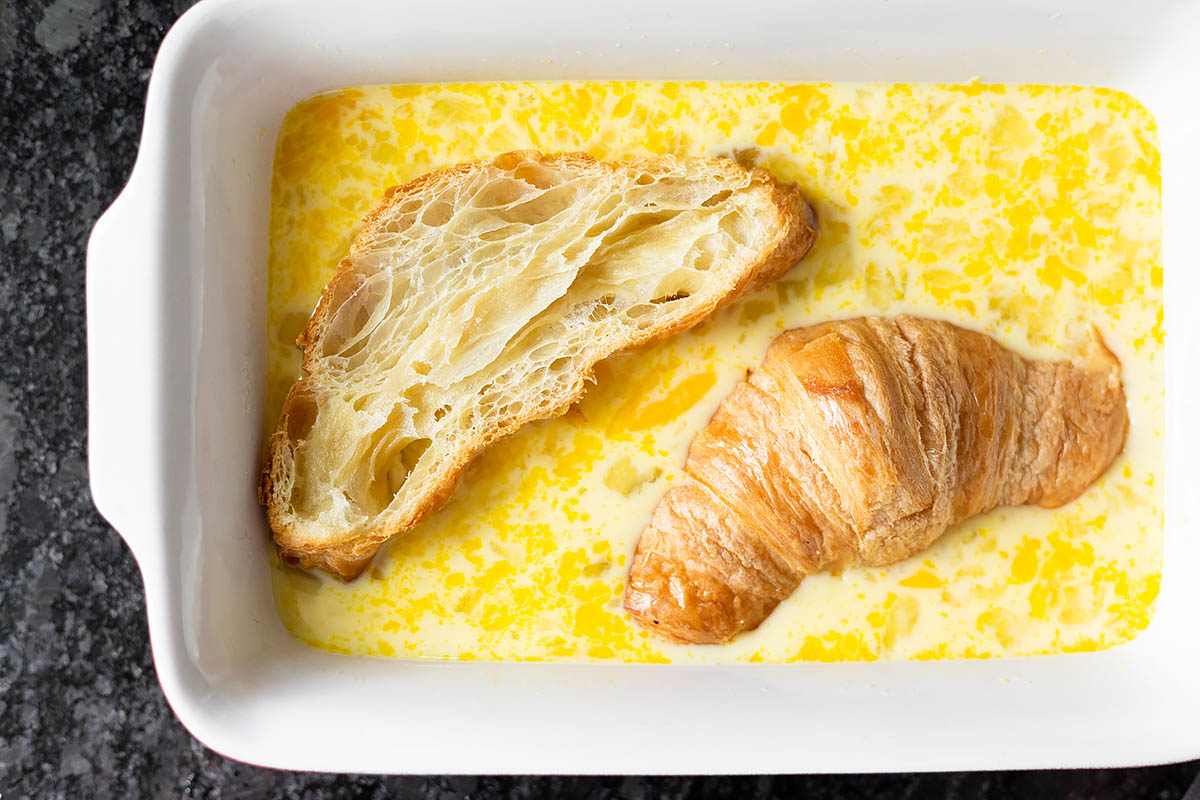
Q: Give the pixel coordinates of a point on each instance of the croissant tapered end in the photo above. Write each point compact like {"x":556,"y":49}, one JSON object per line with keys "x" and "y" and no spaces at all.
{"x":1090,"y":401}
{"x":700,"y":576}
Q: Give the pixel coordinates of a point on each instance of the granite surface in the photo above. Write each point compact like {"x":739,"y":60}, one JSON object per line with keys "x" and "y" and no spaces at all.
{"x":81,"y":712}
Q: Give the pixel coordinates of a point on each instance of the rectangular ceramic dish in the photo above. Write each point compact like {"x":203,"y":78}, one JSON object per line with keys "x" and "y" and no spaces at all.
{"x":176,"y":339}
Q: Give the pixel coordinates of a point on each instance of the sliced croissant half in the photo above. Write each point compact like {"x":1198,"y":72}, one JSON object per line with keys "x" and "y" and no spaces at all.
{"x":478,"y":298}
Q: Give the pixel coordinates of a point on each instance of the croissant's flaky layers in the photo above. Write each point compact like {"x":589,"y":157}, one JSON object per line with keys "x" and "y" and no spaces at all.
{"x":862,"y":441}
{"x":478,"y":298}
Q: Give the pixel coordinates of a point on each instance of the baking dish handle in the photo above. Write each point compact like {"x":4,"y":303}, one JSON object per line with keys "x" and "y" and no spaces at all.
{"x":123,"y":345}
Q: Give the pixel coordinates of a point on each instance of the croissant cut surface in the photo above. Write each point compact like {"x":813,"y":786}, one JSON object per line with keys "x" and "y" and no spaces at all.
{"x":860,"y":442}
{"x":478,"y":298}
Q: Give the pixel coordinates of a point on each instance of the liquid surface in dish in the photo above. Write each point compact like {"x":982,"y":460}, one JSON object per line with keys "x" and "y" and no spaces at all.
{"x":1023,"y":212}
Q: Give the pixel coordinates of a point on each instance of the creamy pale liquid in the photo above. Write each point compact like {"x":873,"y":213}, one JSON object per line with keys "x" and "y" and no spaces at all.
{"x":1025,"y":212}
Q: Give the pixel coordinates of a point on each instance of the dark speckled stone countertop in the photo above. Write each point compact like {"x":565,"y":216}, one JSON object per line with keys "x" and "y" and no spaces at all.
{"x":81,"y":712}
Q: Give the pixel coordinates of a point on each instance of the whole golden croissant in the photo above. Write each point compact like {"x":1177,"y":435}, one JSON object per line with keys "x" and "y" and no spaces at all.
{"x":860,"y":442}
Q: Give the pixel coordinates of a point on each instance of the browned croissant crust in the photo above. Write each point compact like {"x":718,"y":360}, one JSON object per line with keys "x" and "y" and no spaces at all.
{"x":860,"y":442}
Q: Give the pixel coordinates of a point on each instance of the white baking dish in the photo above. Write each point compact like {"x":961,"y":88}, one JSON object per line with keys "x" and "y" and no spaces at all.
{"x":176,"y":347}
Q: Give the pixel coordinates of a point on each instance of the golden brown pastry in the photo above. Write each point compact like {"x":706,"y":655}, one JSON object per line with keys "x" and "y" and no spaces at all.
{"x":860,"y":442}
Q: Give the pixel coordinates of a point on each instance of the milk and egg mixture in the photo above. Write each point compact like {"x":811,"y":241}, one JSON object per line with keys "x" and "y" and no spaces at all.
{"x":1026,"y":212}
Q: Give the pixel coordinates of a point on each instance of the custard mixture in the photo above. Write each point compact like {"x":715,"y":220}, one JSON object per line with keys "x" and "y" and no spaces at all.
{"x":1026,"y":212}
